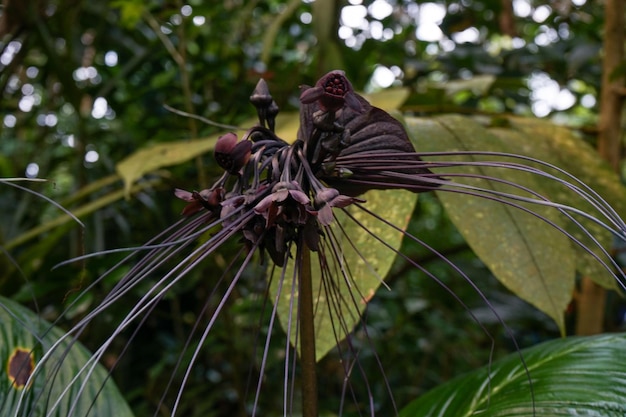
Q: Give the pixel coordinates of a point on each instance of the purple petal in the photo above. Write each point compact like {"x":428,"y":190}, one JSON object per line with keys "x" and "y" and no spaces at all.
{"x":311,"y":95}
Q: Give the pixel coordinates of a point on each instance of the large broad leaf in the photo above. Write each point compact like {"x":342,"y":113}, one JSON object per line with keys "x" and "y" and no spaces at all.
{"x":365,"y":260}
{"x":64,"y":384}
{"x":561,"y":147}
{"x":564,"y":377}
{"x":534,"y":260}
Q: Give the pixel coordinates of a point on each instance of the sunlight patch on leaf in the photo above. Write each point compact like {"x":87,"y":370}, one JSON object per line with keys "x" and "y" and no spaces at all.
{"x":388,"y":99}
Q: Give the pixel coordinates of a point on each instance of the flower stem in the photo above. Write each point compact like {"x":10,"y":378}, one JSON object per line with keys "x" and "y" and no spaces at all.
{"x":307,"y":333}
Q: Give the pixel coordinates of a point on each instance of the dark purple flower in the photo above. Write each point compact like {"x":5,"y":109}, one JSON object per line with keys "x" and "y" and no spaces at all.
{"x":281,"y":199}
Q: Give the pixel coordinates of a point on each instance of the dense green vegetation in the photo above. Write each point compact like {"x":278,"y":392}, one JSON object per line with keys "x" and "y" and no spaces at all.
{"x":84,"y":88}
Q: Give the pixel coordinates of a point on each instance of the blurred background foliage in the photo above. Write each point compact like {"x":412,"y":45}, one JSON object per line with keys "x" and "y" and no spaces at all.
{"x":83,"y":86}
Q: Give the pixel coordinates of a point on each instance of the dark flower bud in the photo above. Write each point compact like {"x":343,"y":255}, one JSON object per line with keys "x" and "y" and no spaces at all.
{"x":230,"y":155}
{"x":261,"y":96}
{"x":332,"y":92}
{"x":266,"y":107}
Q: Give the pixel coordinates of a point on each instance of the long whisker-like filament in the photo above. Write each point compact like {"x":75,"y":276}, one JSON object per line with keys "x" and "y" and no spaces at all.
{"x":301,"y":211}
{"x":448,"y":289}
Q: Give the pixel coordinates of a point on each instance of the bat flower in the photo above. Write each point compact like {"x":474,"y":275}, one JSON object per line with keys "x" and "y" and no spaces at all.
{"x":356,"y":148}
{"x":288,"y":202}
{"x":299,"y":202}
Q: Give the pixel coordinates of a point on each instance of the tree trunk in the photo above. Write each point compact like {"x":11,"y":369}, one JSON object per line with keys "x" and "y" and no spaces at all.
{"x":591,"y":299}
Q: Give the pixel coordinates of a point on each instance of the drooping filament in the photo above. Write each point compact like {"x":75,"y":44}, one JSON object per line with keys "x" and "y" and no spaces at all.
{"x":280,"y":199}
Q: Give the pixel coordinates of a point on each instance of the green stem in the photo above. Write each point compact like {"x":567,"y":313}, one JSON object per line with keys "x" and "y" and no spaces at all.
{"x":307,"y":334}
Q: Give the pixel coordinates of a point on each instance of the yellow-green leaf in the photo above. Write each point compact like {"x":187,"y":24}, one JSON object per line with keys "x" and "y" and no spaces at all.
{"x":161,"y":155}
{"x":365,"y":260}
{"x":561,"y":147}
{"x":532,"y":259}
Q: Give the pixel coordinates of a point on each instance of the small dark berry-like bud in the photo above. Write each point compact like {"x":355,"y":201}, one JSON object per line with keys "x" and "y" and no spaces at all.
{"x":230,"y":154}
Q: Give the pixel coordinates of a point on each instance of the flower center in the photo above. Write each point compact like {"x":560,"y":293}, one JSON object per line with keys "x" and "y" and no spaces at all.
{"x":335,"y":86}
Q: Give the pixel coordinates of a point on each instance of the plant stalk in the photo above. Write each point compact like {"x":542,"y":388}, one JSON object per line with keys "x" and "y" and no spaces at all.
{"x":307,"y":333}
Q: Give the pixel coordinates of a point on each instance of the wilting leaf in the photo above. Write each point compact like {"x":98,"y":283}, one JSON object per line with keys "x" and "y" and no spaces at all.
{"x":24,"y":337}
{"x":368,"y":265}
{"x":529,"y":257}
{"x":161,"y":155}
{"x":573,"y":376}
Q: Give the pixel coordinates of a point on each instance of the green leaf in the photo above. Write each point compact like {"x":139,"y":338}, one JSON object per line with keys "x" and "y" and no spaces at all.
{"x":23,"y":335}
{"x":368,"y":265}
{"x":579,"y":376}
{"x":530,"y":258}
{"x":131,"y":11}
{"x":561,"y":147}
{"x":161,"y":155}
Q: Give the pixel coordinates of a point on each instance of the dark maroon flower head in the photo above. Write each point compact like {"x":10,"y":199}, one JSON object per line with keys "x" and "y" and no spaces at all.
{"x":275,"y":195}
{"x":230,"y":154}
{"x":333,"y":91}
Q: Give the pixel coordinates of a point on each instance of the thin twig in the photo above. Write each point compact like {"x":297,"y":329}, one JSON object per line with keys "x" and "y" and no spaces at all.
{"x":201,"y":119}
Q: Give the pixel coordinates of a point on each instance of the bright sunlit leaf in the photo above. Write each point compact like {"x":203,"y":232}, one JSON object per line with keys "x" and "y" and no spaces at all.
{"x":533,"y":259}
